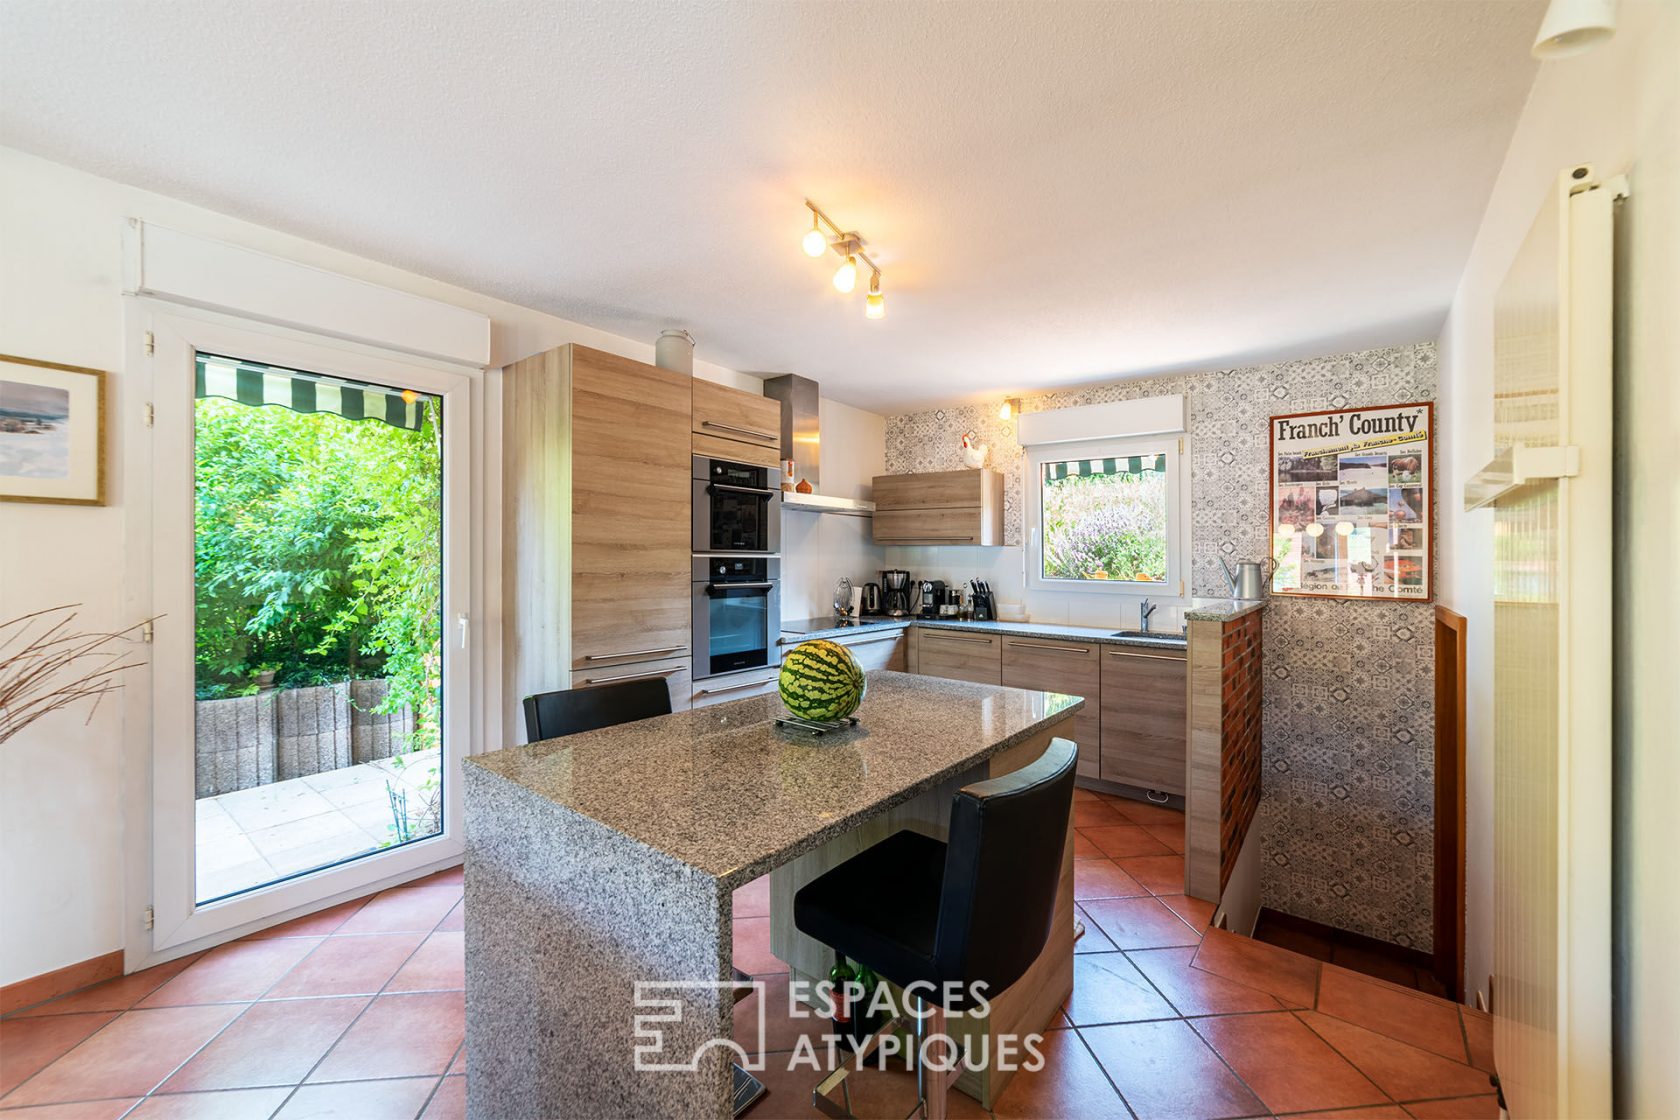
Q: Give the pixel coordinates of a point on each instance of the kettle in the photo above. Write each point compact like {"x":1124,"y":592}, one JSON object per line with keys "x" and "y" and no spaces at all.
{"x":1249,"y":580}
{"x":871,"y":598}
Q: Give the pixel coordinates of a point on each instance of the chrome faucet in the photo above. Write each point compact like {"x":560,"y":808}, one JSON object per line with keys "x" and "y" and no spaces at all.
{"x":1146,"y":615}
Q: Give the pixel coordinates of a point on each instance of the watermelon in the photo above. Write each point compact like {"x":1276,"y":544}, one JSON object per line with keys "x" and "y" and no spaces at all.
{"x":821,"y":681}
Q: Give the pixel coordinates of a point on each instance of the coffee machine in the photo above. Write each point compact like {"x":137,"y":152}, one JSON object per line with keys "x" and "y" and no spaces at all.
{"x":932,"y":595}
{"x":895,"y":592}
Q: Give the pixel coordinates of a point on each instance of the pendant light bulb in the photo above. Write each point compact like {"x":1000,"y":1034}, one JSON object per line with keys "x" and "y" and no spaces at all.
{"x":875,"y":304}
{"x":815,"y":244}
{"x":845,"y":277}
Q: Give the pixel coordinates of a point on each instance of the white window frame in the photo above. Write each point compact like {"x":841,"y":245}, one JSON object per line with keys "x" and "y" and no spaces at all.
{"x":1178,"y":514}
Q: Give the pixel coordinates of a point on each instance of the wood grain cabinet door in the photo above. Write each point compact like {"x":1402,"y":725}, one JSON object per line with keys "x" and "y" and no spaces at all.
{"x":1144,"y":730}
{"x":877,"y":651}
{"x":630,"y":511}
{"x":959,"y":656}
{"x":734,"y":424}
{"x":1068,"y":667}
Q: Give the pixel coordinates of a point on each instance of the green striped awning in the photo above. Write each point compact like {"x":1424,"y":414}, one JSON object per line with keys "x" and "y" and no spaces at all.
{"x":1086,"y":468}
{"x":254,"y":383}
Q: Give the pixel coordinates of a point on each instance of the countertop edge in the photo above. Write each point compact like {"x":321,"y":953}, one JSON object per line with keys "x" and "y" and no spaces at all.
{"x":1007,"y":629}
{"x":1224,"y":610}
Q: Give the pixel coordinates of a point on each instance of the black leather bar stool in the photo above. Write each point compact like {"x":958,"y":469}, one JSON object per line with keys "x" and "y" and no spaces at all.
{"x":551,"y":714}
{"x":974,"y":909}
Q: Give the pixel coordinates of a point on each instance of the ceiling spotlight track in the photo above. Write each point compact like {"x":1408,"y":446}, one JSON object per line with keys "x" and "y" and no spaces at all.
{"x":848,"y":244}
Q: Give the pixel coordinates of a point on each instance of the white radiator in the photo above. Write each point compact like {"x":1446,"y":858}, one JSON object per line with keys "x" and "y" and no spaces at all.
{"x":1550,"y":486}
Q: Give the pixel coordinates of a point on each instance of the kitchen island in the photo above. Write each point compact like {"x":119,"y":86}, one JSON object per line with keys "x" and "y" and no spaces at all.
{"x":607,"y":859}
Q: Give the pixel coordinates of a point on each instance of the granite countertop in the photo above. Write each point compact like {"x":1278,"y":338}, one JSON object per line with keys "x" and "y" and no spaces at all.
{"x":1221,"y":610}
{"x":725,"y":791}
{"x":816,"y":628}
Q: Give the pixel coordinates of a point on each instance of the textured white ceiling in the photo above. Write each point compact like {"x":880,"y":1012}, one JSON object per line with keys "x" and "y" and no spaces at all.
{"x":1057,"y":192}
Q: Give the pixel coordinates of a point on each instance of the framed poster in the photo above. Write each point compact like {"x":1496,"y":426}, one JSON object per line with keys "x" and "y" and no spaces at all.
{"x":52,"y":432}
{"x":1352,"y":512}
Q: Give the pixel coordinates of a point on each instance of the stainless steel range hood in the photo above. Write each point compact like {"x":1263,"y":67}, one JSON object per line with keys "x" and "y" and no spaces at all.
{"x":802,"y":442}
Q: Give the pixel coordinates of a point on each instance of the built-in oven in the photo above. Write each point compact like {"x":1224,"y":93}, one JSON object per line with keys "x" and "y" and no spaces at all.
{"x":736,"y":507}
{"x":737,"y":613}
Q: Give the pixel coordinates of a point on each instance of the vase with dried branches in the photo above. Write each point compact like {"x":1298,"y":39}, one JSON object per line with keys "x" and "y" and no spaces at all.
{"x":46,"y":664}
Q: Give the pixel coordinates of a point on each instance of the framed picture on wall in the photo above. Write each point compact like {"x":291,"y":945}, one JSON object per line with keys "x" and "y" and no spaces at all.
{"x":52,"y":432}
{"x":1352,"y":509}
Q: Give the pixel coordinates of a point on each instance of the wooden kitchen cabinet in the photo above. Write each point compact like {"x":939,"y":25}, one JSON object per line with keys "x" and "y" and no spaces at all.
{"x":877,"y":650}
{"x":1071,"y":668}
{"x":939,"y":507}
{"x":1144,"y":726}
{"x":736,"y":425}
{"x":596,"y":522}
{"x":735,"y":686}
{"x":957,"y":655}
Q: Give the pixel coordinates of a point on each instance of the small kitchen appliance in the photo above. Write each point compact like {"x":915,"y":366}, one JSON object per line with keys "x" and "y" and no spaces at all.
{"x":931,"y":597}
{"x":871,"y":603}
{"x":951,"y":602}
{"x":895,"y":592}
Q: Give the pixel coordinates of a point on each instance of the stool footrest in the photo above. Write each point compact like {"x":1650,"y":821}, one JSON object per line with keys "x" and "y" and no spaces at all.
{"x":837,"y":1079}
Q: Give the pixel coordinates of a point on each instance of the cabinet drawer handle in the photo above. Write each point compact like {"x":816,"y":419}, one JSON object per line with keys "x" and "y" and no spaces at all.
{"x":1150,"y":656}
{"x":738,"y":431}
{"x":954,"y":637}
{"x":634,"y":653}
{"x":631,"y":676}
{"x":927,"y":537}
{"x":893,"y":637}
{"x":734,"y":688}
{"x":1058,"y":649}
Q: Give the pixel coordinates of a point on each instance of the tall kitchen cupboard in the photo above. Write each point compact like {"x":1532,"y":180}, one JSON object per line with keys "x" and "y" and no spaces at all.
{"x":595,"y":525}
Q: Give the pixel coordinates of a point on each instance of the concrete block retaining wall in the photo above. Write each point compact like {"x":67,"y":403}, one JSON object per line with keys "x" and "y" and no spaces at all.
{"x":251,"y":741}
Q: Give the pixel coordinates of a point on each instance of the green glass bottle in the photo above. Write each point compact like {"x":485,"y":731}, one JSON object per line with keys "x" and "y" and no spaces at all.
{"x":867,"y":1016}
{"x":842,"y":977}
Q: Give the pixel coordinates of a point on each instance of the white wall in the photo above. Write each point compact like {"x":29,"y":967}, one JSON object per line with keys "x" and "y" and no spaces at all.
{"x":64,"y":842}
{"x":819,"y":548}
{"x":1617,"y":107}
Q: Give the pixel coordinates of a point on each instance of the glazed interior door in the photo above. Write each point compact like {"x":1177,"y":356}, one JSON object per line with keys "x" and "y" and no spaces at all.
{"x":1550,"y":487}
{"x":310,"y":568}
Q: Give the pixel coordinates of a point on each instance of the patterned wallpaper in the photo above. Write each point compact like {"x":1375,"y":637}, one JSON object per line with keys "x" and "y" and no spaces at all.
{"x":1346,"y":819}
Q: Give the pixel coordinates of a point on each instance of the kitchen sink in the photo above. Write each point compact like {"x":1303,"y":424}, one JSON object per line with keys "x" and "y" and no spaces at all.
{"x":1151,"y":635}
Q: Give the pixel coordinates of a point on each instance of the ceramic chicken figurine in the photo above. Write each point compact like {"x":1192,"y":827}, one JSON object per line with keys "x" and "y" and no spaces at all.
{"x":973,"y":453}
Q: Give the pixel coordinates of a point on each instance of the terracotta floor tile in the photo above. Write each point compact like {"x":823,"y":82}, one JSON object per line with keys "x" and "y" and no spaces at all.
{"x":404,"y":910}
{"x":1161,"y":874}
{"x":1292,"y":978}
{"x":1124,"y":840}
{"x":1404,"y":1072}
{"x":1140,"y":923}
{"x":399,"y":1036}
{"x":891,"y":1092}
{"x":1194,"y":992}
{"x":1146,"y":812}
{"x":1195,"y":913}
{"x":81,"y":1110}
{"x":753,"y":900}
{"x":1095,"y":814}
{"x":453,"y":876}
{"x":459,"y":1065}
{"x":752,"y":948}
{"x":28,"y":1046}
{"x":318,"y":924}
{"x":449,"y":1102}
{"x":239,"y":971}
{"x":1478,"y":1033}
{"x":1108,"y":989}
{"x":1171,"y":834}
{"x":359,"y":1100}
{"x":439,"y":965}
{"x":1165,"y":1070}
{"x":128,"y":1058}
{"x":1102,"y":878}
{"x":1083,"y":848}
{"x":1461,"y":1108}
{"x":455,"y":920}
{"x":348,"y":966}
{"x":233,"y":1104}
{"x":1071,"y":1083}
{"x":1094,"y":940}
{"x":119,"y":994}
{"x":1367,"y":1112}
{"x":1082,"y":794}
{"x":273,"y":1043}
{"x":787,"y":1093}
{"x":1432,"y":1024}
{"x":784,"y":1024}
{"x":1288,"y":1066}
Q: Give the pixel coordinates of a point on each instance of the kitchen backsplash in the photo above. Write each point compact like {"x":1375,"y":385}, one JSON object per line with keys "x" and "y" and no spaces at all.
{"x":1346,"y":821}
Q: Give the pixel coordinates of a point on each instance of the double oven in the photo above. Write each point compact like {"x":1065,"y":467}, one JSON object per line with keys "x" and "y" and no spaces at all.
{"x":737,"y":566}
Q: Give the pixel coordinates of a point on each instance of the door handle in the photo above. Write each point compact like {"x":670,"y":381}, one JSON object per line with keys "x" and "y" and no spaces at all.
{"x":734,"y":688}
{"x":953,"y":637}
{"x":716,"y":589}
{"x":633,"y":653}
{"x":761,"y":491}
{"x":1058,"y":649}
{"x":1149,"y":656}
{"x":738,"y":431}
{"x":632,"y":676}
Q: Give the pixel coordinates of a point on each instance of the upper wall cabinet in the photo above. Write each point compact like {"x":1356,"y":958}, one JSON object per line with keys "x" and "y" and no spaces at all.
{"x":731,"y":424}
{"x":940,"y":507}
